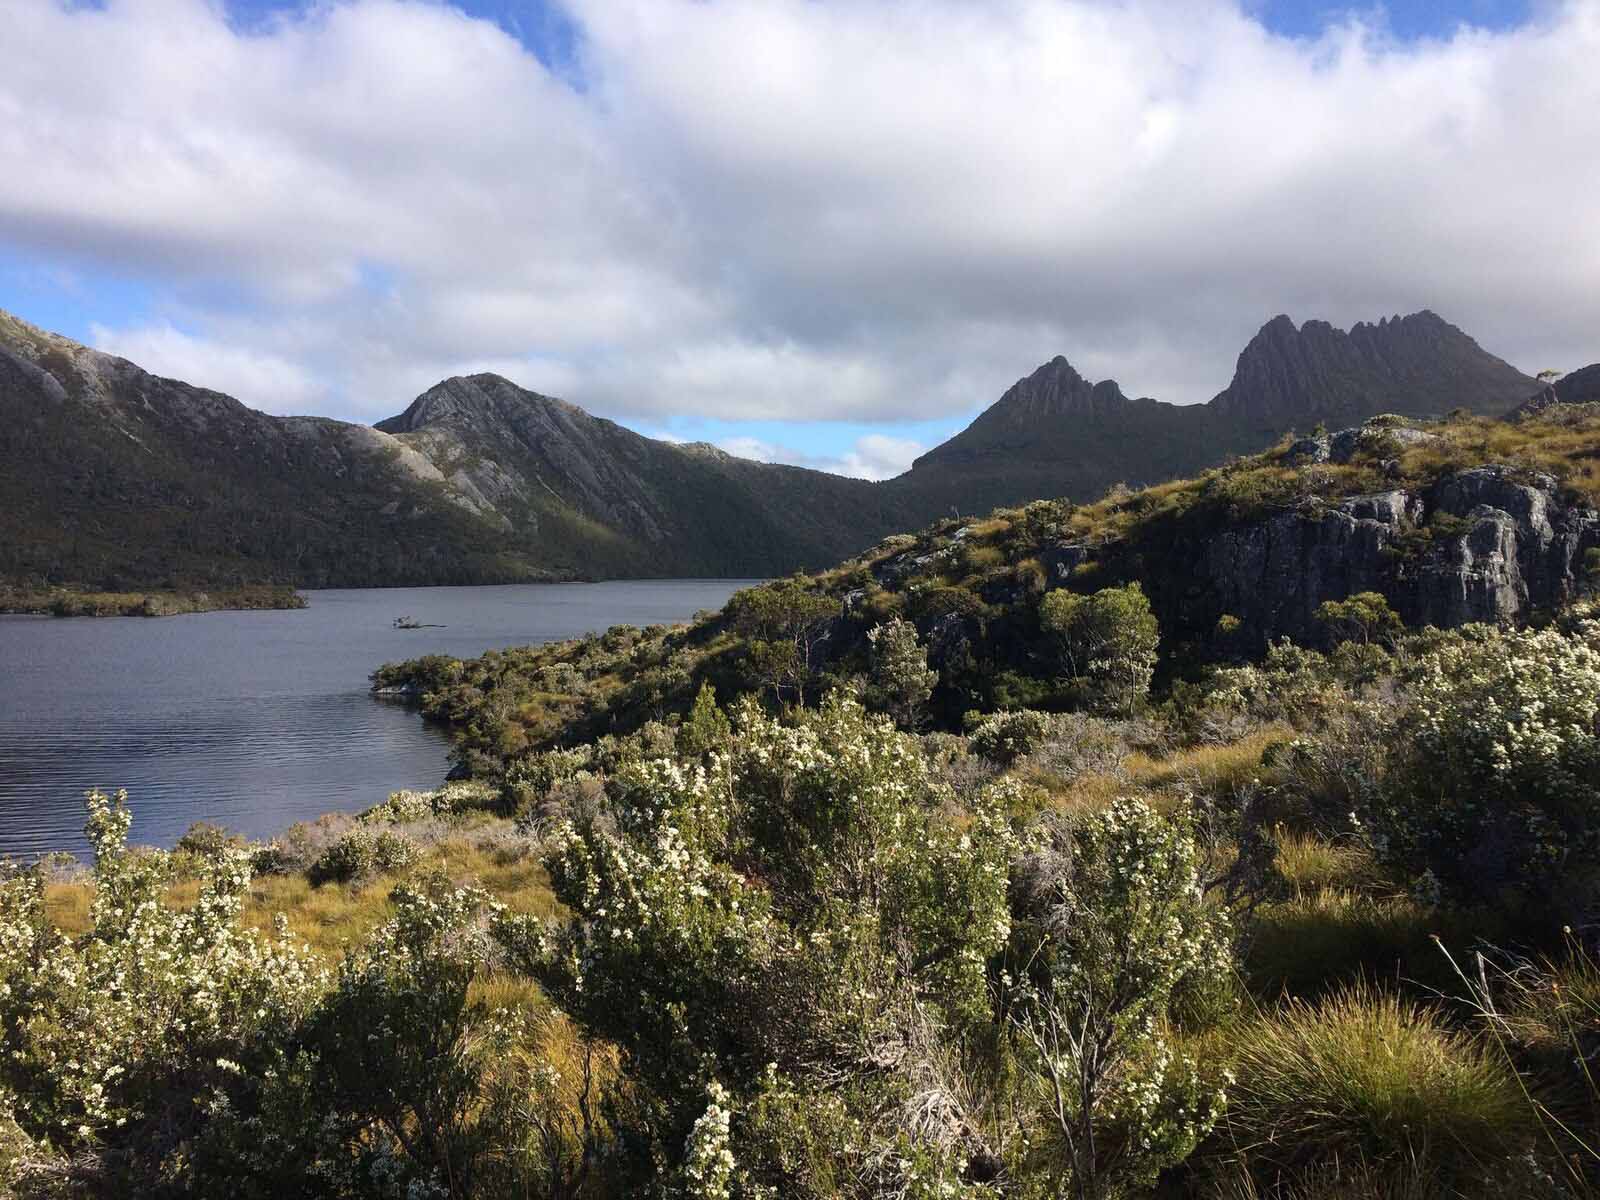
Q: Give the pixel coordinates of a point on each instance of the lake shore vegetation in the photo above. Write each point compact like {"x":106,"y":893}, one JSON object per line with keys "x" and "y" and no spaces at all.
{"x":77,"y":602}
{"x":899,"y":880}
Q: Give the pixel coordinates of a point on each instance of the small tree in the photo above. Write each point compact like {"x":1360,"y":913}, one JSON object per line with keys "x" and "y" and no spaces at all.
{"x":706,"y":728}
{"x":1108,"y":639}
{"x":786,"y":623}
{"x":1365,"y":618}
{"x":902,"y":681}
{"x":1111,"y":925}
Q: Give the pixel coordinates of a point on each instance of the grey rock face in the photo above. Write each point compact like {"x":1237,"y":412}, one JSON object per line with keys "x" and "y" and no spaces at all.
{"x":1487,"y":544}
{"x":1274,"y":574}
{"x":1343,"y":446}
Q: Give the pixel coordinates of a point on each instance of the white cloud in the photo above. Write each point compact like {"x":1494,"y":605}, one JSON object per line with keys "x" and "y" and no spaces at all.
{"x":792,"y":209}
{"x":263,"y":381}
{"x":871,"y":456}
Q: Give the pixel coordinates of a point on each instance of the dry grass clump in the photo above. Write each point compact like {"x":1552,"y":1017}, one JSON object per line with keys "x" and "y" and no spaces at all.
{"x":1370,"y":1077}
{"x":1311,"y":864}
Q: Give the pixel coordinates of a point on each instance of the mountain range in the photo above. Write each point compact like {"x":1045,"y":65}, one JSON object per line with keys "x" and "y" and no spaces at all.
{"x":117,"y":478}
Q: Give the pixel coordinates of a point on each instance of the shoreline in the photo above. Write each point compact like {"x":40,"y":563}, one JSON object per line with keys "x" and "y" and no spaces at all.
{"x":154,"y":602}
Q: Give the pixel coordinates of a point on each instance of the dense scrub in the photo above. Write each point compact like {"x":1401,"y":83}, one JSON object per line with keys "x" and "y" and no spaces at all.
{"x":1212,"y":946}
{"x":1005,"y":604}
{"x":924,"y":909}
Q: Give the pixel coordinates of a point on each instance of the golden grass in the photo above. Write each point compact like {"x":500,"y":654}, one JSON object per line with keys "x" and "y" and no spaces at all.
{"x":1206,"y":768}
{"x":1087,"y":793}
{"x":979,"y":557}
{"x":1313,"y":864}
{"x":67,"y":906}
{"x":333,"y":917}
{"x":997,"y":524}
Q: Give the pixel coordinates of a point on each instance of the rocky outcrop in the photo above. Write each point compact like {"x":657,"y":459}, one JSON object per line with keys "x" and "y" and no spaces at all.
{"x":1487,"y":544}
{"x":1344,"y":446}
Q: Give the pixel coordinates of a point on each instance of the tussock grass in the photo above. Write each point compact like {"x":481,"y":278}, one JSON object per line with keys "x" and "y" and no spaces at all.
{"x":1315,"y":941}
{"x":1312,"y":864}
{"x":67,"y":906}
{"x":1370,"y":1077}
{"x":1212,"y":769}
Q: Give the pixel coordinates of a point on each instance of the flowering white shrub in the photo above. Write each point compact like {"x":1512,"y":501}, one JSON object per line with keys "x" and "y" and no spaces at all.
{"x":708,"y":1163}
{"x":1008,"y":736}
{"x":117,"y":1041}
{"x":783,"y":904}
{"x":1112,"y":926}
{"x":1495,"y":779}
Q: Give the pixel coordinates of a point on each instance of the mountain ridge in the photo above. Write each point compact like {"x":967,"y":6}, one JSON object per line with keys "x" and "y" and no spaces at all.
{"x":1287,"y":376}
{"x":124,"y":477}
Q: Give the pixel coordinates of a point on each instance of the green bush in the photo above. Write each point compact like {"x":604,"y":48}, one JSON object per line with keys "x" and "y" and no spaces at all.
{"x":1108,"y":640}
{"x":1008,"y":736}
{"x":1367,"y":1076}
{"x":363,"y":851}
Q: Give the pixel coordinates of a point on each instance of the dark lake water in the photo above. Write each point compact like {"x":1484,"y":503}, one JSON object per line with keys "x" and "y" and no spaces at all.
{"x":255,"y":720}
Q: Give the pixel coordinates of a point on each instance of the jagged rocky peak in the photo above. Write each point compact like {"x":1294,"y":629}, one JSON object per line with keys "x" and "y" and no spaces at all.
{"x":1057,"y":389}
{"x":1418,"y":363}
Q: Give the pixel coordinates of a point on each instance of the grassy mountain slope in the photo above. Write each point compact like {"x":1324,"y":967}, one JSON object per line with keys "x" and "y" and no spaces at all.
{"x":551,"y":470}
{"x":118,"y":479}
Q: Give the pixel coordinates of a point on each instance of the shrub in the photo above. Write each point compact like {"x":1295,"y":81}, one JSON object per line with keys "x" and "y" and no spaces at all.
{"x":363,"y":851}
{"x":1369,"y":1076}
{"x":706,"y":729}
{"x":119,"y":1047}
{"x":528,"y":781}
{"x":1110,"y":927}
{"x":785,"y":942}
{"x":1008,"y":736}
{"x":401,"y":808}
{"x":1495,"y":779}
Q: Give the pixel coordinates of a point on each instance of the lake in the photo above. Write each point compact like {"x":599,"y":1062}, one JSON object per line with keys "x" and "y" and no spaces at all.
{"x":255,"y":720}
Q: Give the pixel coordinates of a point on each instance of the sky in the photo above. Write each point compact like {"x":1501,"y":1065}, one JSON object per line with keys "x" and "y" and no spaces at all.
{"x":826,"y":232}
